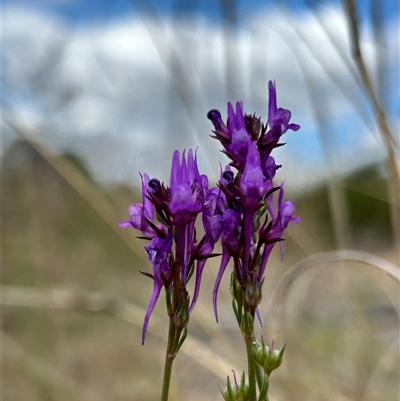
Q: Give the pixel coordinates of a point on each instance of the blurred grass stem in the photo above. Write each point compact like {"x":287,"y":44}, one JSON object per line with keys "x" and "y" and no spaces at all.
{"x":379,"y":112}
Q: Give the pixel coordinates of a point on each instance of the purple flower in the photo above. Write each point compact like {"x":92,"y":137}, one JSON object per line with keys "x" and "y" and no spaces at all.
{"x":278,"y":118}
{"x":185,"y":203}
{"x":142,"y":214}
{"x":158,"y":251}
{"x":233,"y":136}
{"x":252,"y":184}
{"x":278,"y":121}
{"x":239,"y":135}
{"x":221,"y":130}
{"x":269,"y":167}
{"x":280,"y":221}
{"x":253,"y":188}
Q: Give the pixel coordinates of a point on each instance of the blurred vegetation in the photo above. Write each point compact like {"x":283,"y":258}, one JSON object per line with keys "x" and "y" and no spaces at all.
{"x":341,"y":323}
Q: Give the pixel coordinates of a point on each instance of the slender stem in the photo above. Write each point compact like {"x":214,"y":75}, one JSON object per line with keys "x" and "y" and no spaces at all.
{"x":263,"y":396}
{"x":169,"y":360}
{"x":259,"y":377}
{"x":251,"y":368}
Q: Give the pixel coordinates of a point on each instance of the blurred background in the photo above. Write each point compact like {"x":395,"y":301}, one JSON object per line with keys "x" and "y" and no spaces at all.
{"x":95,"y":92}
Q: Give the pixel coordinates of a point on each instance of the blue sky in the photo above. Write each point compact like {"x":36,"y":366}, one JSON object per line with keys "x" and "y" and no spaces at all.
{"x":141,"y":87}
{"x":91,"y":10}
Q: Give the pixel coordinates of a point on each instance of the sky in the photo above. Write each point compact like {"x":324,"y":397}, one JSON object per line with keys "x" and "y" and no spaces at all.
{"x":76,"y":11}
{"x":123,"y":83}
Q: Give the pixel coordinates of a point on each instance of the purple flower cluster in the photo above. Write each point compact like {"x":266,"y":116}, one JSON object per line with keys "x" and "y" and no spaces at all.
{"x":176,"y":207}
{"x":252,"y":224}
{"x":240,"y":210}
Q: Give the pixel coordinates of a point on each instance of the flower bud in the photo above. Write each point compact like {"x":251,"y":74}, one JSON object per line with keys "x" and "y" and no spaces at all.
{"x":235,"y":392}
{"x":268,"y":358}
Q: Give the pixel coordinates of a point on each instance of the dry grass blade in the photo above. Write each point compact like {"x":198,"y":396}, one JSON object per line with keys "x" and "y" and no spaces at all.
{"x":323,"y":63}
{"x":380,"y":115}
{"x":304,"y":265}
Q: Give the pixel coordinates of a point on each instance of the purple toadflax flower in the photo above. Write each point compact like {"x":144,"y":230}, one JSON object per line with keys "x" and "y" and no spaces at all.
{"x":185,"y":203}
{"x":278,"y":121}
{"x":142,"y":214}
{"x":279,"y":223}
{"x":249,"y":192}
{"x":177,"y":207}
{"x":234,"y":135}
{"x":253,"y":187}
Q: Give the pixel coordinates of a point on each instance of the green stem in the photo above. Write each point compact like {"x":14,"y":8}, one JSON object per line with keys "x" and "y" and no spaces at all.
{"x":169,"y":360}
{"x":248,"y":338}
{"x":263,"y":396}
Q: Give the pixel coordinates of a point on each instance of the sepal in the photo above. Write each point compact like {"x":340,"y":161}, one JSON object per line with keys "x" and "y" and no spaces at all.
{"x":268,"y":358}
{"x":236,"y":392}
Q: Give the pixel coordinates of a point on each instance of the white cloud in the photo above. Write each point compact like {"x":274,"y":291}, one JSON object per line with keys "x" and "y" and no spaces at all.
{"x":141,"y":89}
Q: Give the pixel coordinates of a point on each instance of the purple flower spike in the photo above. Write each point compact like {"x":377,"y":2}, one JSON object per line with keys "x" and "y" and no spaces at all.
{"x":158,"y":251}
{"x":253,"y":188}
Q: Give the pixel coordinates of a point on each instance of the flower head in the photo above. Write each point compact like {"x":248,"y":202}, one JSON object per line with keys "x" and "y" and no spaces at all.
{"x":234,"y":136}
{"x":142,"y":214}
{"x":278,"y":121}
{"x":278,"y":118}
